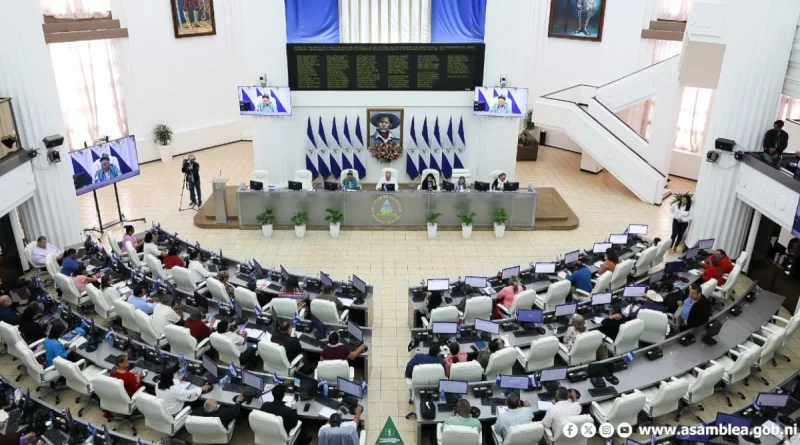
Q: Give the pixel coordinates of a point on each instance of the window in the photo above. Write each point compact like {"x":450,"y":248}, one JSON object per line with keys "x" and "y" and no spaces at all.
{"x":76,"y":9}
{"x":789,"y":108}
{"x":385,"y":21}
{"x":674,"y":9}
{"x":693,"y":118}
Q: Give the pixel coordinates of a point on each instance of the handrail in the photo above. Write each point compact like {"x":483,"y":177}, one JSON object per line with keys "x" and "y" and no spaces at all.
{"x":638,"y":71}
{"x":596,"y":99}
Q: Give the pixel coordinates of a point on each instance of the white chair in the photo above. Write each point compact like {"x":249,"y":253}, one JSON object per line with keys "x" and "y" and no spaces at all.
{"x":522,"y":301}
{"x":737,"y":365}
{"x":644,"y":262}
{"x":445,"y":314}
{"x":540,"y":355}
{"x":458,"y":172}
{"x":477,"y":307}
{"x":79,"y":378}
{"x":788,"y":329}
{"x":268,"y":429}
{"x":656,"y":326}
{"x":424,"y":376}
{"x":726,"y":290}
{"x":40,"y":375}
{"x":228,"y":350}
{"x":135,"y":258}
{"x":623,"y":409}
{"x":51,"y":264}
{"x":457,"y":435}
{"x":600,"y":285}
{"x":627,"y":338}
{"x":470,"y":371}
{"x":701,"y":385}
{"x":741,"y":260}
{"x":149,"y":334}
{"x":304,"y":177}
{"x":329,"y":370}
{"x":156,"y":269}
{"x":556,"y":294}
{"x":325,"y":311}
{"x":424,"y":175}
{"x":181,"y":341}
{"x":661,"y":251}
{"x":70,"y":293}
{"x":392,"y":170}
{"x":525,"y":434}
{"x":217,"y":291}
{"x":261,"y":176}
{"x":620,"y":276}
{"x":125,"y":311}
{"x":555,"y":435}
{"x":246,"y":298}
{"x":767,"y":343}
{"x":209,"y":429}
{"x":494,"y":174}
{"x":156,"y":416}
{"x":286,"y":308}
{"x":708,"y":288}
{"x":38,"y":268}
{"x":501,"y":362}
{"x":275,"y":360}
{"x":101,"y":306}
{"x":116,"y":250}
{"x":183,"y":280}
{"x":114,"y":399}
{"x":665,"y":398}
{"x":10,"y":335}
{"x":584,"y":350}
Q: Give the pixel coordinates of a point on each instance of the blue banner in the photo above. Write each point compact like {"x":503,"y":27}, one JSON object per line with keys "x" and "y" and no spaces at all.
{"x":457,"y":21}
{"x":312,"y":21}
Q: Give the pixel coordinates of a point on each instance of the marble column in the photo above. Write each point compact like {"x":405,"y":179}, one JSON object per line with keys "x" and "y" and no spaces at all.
{"x":26,"y":75}
{"x":758,"y":39}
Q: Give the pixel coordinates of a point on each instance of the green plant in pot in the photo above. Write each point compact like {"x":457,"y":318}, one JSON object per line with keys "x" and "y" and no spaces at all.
{"x":466,"y":224}
{"x":299,"y":220}
{"x":162,"y":136}
{"x":433,"y":224}
{"x":335,"y":218}
{"x":528,"y":122}
{"x":499,"y":216}
{"x":266,"y":219}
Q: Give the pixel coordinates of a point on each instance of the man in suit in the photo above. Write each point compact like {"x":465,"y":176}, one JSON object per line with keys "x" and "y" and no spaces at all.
{"x":289,"y":415}
{"x":695,"y":310}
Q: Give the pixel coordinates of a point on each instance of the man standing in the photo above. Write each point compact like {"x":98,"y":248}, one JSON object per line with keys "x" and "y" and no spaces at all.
{"x":695,"y":310}
{"x":517,"y":414}
{"x":775,"y":142}
{"x":266,"y":105}
{"x":338,"y":432}
{"x":192,"y":171}
{"x":566,"y":406}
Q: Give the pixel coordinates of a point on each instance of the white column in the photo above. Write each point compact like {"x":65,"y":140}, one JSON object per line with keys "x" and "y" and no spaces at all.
{"x":751,"y":239}
{"x":665,"y":121}
{"x":758,"y":38}
{"x":26,"y":75}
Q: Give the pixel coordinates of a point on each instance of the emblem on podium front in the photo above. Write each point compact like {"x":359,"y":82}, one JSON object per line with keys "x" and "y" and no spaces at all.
{"x":386,"y":209}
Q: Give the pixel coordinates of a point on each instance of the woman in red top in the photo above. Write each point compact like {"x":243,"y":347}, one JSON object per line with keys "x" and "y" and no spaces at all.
{"x":714,"y":270}
{"x":131,"y":380}
{"x":172,"y":259}
{"x":724,"y":261}
{"x":506,"y":295}
{"x":199,"y":330}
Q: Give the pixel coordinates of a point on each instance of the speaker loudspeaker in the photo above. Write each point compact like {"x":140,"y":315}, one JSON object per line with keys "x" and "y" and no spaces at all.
{"x":724,"y":144}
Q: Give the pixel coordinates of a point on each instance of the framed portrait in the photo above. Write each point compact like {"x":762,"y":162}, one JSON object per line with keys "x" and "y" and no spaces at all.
{"x":385,"y":125}
{"x":577,"y":19}
{"x":193,"y":18}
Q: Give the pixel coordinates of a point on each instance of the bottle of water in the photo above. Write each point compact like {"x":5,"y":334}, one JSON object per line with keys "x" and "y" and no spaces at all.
{"x":339,"y":286}
{"x":182,"y":361}
{"x":441,"y":395}
{"x":325,"y":389}
{"x":224,"y":380}
{"x":305,"y":282}
{"x":269,"y":274}
{"x":110,"y":338}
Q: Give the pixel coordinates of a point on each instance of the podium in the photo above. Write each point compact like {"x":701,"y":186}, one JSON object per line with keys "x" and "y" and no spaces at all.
{"x":220,"y":185}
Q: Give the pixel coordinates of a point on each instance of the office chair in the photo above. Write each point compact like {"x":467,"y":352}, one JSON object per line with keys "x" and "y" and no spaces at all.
{"x":584,"y":350}
{"x":726,"y":290}
{"x":701,"y":385}
{"x":556,"y":294}
{"x":740,"y":261}
{"x":737,"y":363}
{"x":457,"y":435}
{"x":424,"y":376}
{"x":325,"y":311}
{"x":470,"y":371}
{"x":276,"y":361}
{"x":37,"y":268}
{"x":477,"y":307}
{"x":424,"y":175}
{"x":329,"y":370}
{"x":656,"y":326}
{"x":183,"y":280}
{"x":664,"y":398}
{"x":51,"y":264}
{"x":644,"y":262}
{"x":525,"y":434}
{"x":40,"y":375}
{"x":156,"y":416}
{"x":116,"y":250}
{"x":661,"y":251}
{"x":115,"y":400}
{"x":217,"y":291}
{"x":600,"y":285}
{"x":627,"y":338}
{"x":540,"y":355}
{"x":261,"y":176}
{"x":9,"y":334}
{"x":156,"y":269}
{"x":228,"y":350}
{"x":444,"y":314}
{"x":101,"y":305}
{"x":70,"y":293}
{"x":767,"y":343}
{"x":286,"y":308}
{"x":209,"y":430}
{"x":125,"y":311}
{"x":304,"y":177}
{"x":247,"y":299}
{"x":135,"y":258}
{"x":458,"y":172}
{"x":788,"y":329}
{"x":181,"y":342}
{"x":523,"y":300}
{"x":79,"y":378}
{"x":268,"y":429}
{"x":622,"y":409}
{"x":707,"y":288}
{"x":556,"y":436}
{"x":501,"y":362}
{"x":494,"y":174}
{"x":620,"y":276}
{"x":147,"y":331}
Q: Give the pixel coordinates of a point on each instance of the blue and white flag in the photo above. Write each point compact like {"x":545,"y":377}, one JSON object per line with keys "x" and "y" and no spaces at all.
{"x":460,"y":145}
{"x":436,"y":146}
{"x":448,"y":148}
{"x":311,"y":151}
{"x":534,"y":381}
{"x":424,"y":147}
{"x":363,"y":387}
{"x":296,"y":320}
{"x":257,"y":310}
{"x":411,"y":154}
{"x":275,"y":379}
{"x":322,"y":151}
{"x":85,"y":323}
{"x":629,"y":356}
{"x":336,"y":148}
{"x":347,"y":147}
{"x":359,"y":151}
{"x":110,"y":335}
{"x":236,"y":371}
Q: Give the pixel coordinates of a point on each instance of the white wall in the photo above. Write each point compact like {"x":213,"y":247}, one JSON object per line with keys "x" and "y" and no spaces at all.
{"x":18,"y":186}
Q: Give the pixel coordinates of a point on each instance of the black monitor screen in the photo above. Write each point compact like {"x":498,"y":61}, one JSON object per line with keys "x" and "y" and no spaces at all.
{"x":325,"y":279}
{"x":209,"y":365}
{"x":600,"y":369}
{"x":360,"y":285}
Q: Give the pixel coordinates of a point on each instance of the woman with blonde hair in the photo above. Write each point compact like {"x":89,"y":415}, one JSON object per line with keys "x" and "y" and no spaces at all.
{"x":577,"y":326}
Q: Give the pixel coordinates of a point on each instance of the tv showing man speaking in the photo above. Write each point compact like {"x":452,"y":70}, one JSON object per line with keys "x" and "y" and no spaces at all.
{"x":104,"y":164}
{"x":266,"y":101}
{"x":502,"y":102}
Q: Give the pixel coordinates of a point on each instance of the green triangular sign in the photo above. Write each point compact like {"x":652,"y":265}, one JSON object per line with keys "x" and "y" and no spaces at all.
{"x":389,"y":434}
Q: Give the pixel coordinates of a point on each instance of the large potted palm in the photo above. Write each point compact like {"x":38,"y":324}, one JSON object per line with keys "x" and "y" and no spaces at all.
{"x":266,"y":218}
{"x":335,"y":218}
{"x":433,"y":224}
{"x":466,"y":224}
{"x":499,"y":217}
{"x":162,"y":136}
{"x":299,"y":220}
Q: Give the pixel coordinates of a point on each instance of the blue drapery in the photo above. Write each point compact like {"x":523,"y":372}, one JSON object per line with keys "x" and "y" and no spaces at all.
{"x":458,"y":21}
{"x":312,"y":21}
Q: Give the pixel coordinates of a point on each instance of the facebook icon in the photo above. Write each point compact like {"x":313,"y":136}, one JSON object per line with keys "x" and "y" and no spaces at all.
{"x":570,"y":430}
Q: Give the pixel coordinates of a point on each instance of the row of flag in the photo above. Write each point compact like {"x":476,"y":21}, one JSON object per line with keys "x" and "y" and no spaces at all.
{"x":331,"y":151}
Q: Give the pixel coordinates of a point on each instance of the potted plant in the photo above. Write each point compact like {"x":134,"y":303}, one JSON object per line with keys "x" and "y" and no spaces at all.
{"x":433,"y":225}
{"x":266,"y":219}
{"x":466,"y":224}
{"x":162,"y":136}
{"x":528,"y":121}
{"x":334,"y":217}
{"x":300,"y":219}
{"x":499,"y":217}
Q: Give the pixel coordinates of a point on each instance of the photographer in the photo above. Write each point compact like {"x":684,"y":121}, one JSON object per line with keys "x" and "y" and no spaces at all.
{"x":192,"y":171}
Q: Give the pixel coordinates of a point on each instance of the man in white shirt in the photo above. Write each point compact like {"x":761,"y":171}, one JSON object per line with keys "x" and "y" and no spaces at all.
{"x":517,"y":414}
{"x":152,"y":248}
{"x":566,"y":406}
{"x":42,"y":249}
{"x":163,"y":314}
{"x":197,"y":271}
{"x":174,"y":395}
{"x":387,"y":179}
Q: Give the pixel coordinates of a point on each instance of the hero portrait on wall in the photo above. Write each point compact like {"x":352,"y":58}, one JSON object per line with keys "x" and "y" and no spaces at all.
{"x":193,"y":18}
{"x":385,"y":125}
{"x":577,"y":19}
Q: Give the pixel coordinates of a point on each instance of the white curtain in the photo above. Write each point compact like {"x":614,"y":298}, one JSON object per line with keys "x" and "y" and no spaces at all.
{"x":674,"y":9}
{"x":76,"y":9}
{"x":693,"y":119}
{"x":789,"y":108}
{"x":385,"y":21}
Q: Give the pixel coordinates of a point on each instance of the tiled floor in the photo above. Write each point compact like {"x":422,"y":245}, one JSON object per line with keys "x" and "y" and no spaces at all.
{"x":394,"y":260}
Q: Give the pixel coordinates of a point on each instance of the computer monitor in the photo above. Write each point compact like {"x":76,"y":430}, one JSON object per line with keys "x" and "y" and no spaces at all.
{"x":673,"y":267}
{"x":638,"y":229}
{"x":511,"y":186}
{"x":509,"y":272}
{"x":360,"y":285}
{"x":618,"y":239}
{"x":544,"y":268}
{"x":481,"y":186}
{"x":108,"y":439}
{"x":605,"y":369}
{"x":258,"y":268}
{"x":733,"y":421}
{"x":601,"y":299}
{"x":487,"y":326}
{"x":692,"y":253}
{"x":252,"y":380}
{"x":553,"y":374}
{"x":530,"y":316}
{"x":305,"y":384}
{"x":706,"y":244}
{"x":476,"y":282}
{"x":349,"y":387}
{"x":389,"y":187}
{"x":632,"y":442}
{"x":295,"y":185}
{"x":514,"y":382}
{"x":355,"y":331}
{"x":325,"y":279}
{"x":448,"y":186}
{"x":601,"y":247}
{"x":209,"y":365}
{"x":445,"y":328}
{"x":172,"y":291}
{"x":572,"y":257}
{"x":772,"y":400}
{"x":238,"y":310}
{"x":656,"y":277}
{"x":565,"y":310}
{"x":331,"y":186}
{"x":438,"y":284}
{"x":453,"y":386}
{"x":284,"y":273}
{"x":634,"y":291}
{"x":683,"y":433}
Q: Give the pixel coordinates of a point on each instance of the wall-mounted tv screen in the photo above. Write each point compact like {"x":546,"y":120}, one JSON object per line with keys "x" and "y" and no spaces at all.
{"x":503,"y":102}
{"x":266,"y":101}
{"x":796,"y":225}
{"x":104,"y":164}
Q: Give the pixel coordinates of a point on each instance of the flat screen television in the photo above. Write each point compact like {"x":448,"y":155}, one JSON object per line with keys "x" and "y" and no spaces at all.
{"x":796,"y":224}
{"x":265,"y":101}
{"x":104,"y":164}
{"x":502,"y":102}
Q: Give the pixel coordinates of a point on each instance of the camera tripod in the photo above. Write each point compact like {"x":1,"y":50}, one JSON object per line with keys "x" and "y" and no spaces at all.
{"x":180,"y":204}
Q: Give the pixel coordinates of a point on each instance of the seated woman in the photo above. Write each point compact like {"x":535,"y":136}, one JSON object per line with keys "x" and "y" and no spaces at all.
{"x":612,"y":259}
{"x":53,"y":346}
{"x":432,"y":301}
{"x":506,"y":295}
{"x":174,"y":395}
{"x":223,"y":276}
{"x":429,"y":183}
{"x":456,"y":356}
{"x":172,"y":259}
{"x":110,"y":293}
{"x":713,"y":271}
{"x":578,"y":326}
{"x":499,"y":184}
{"x":292,"y":289}
{"x":350,"y":182}
{"x":462,"y":185}
{"x":129,"y":237}
{"x":81,"y":280}
{"x":150,"y":247}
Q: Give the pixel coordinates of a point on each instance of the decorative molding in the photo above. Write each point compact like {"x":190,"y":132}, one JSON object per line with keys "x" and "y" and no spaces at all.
{"x":774,"y":200}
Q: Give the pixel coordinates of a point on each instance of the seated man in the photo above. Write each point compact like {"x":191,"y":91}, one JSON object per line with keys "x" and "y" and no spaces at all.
{"x":139,"y":300}
{"x":775,"y":142}
{"x":226,"y":414}
{"x":581,"y":278}
{"x":197,"y":328}
{"x":341,"y":433}
{"x":336,"y":351}
{"x":655,"y":302}
{"x":724,"y":262}
{"x":387,"y":179}
{"x":463,"y":416}
{"x":246,"y":354}
{"x":42,"y":249}
{"x":197,"y":271}
{"x":287,"y":340}
{"x":165,"y":313}
{"x":350,"y":182}
{"x":277,"y":408}
{"x":423,"y":359}
{"x":566,"y":406}
{"x":493,"y":346}
{"x":8,"y":310}
{"x":69,"y":262}
{"x":329,"y":295}
{"x":517,"y":414}
{"x":695,"y":310}
{"x":610,"y":326}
